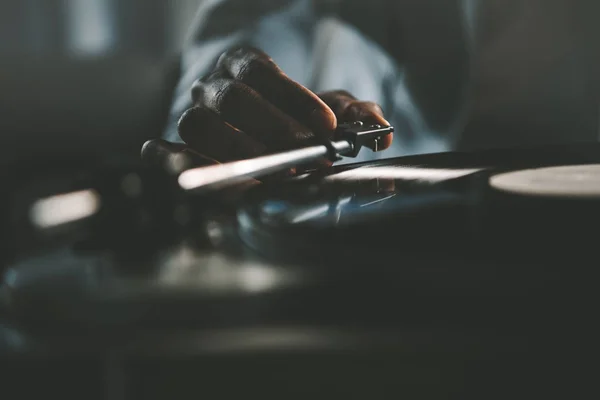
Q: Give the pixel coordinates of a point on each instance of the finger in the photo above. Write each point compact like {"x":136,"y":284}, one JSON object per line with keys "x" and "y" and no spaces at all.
{"x":338,"y":101}
{"x":178,"y":157}
{"x":172,"y":157}
{"x":201,"y":85}
{"x":245,"y":109}
{"x":348,"y":109}
{"x":205,"y":132}
{"x":259,"y":71}
{"x":371,"y":113}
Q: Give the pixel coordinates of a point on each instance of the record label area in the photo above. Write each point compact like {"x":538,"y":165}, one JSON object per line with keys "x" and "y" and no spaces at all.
{"x":573,"y":181}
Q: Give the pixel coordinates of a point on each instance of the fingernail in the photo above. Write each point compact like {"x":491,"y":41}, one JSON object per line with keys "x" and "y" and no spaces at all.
{"x":380,"y":117}
{"x":381,"y":120}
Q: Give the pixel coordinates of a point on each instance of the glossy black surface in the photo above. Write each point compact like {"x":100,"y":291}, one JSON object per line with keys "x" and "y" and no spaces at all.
{"x":413,"y":205}
{"x":429,"y":225}
{"x":413,"y":261}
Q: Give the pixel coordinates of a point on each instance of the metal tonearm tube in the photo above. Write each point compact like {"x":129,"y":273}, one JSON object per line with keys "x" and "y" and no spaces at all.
{"x":349,"y":139}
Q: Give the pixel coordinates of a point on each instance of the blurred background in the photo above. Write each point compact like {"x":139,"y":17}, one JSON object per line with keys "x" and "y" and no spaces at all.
{"x":94,"y":77}
{"x":84,"y":76}
{"x":87,"y":75}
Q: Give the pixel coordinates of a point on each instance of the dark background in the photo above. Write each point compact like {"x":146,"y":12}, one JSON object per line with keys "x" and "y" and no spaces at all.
{"x":96,"y":76}
{"x":86,"y":76}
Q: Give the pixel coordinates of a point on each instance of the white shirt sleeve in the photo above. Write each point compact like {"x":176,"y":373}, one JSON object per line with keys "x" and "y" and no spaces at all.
{"x":319,"y":50}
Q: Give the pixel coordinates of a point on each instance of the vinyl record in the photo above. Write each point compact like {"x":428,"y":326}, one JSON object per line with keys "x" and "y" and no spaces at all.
{"x":421,"y":239}
{"x":459,"y":203}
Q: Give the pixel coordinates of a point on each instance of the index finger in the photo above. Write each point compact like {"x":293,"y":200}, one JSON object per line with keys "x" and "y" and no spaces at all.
{"x":257,"y":70}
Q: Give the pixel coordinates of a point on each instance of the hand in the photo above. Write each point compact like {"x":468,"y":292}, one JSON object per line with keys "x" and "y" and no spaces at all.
{"x":248,"y":107}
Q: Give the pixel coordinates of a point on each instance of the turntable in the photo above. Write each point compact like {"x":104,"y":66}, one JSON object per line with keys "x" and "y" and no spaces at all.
{"x":445,"y":265}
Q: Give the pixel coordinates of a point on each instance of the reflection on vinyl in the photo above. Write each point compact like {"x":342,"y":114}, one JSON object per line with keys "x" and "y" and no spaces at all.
{"x":369,"y":207}
{"x":427,"y":225}
{"x":463,"y":203}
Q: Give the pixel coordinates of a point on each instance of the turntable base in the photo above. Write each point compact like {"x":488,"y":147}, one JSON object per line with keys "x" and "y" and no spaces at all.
{"x":426,"y":276}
